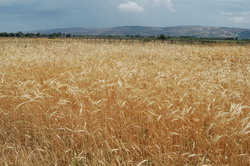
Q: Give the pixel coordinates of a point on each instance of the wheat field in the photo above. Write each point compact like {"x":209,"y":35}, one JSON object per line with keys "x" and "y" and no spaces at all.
{"x":77,"y":102}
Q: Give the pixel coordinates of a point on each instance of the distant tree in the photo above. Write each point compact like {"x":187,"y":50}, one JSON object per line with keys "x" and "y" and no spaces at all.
{"x":52,"y":35}
{"x":11,"y":34}
{"x":19,"y":34}
{"x":129,"y":36}
{"x":68,"y":35}
{"x":38,"y":34}
{"x":59,"y":35}
{"x":137,"y":36}
{"x":162,"y":37}
{"x":30,"y":35}
{"x":4,"y":34}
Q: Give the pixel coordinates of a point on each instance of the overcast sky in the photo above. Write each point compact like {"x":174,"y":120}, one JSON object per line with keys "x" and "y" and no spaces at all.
{"x":21,"y":15}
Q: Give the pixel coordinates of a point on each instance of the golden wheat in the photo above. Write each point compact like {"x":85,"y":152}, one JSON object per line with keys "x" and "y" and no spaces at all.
{"x":78,"y":102}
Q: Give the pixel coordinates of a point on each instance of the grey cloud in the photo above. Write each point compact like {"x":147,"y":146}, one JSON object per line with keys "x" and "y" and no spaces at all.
{"x":18,"y":15}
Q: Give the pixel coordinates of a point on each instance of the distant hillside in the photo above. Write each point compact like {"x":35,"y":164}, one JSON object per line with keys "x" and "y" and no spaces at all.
{"x":196,"y":31}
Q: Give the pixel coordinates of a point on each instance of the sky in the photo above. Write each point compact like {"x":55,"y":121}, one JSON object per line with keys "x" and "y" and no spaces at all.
{"x":24,"y":15}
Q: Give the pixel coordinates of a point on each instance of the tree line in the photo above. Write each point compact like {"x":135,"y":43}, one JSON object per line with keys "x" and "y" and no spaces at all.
{"x":161,"y":37}
{"x":34,"y":35}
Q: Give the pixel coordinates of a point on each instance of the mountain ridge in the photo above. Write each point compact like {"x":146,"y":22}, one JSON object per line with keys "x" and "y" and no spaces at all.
{"x":190,"y":30}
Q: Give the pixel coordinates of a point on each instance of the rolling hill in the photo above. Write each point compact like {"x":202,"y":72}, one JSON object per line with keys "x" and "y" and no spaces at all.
{"x":195,"y":31}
